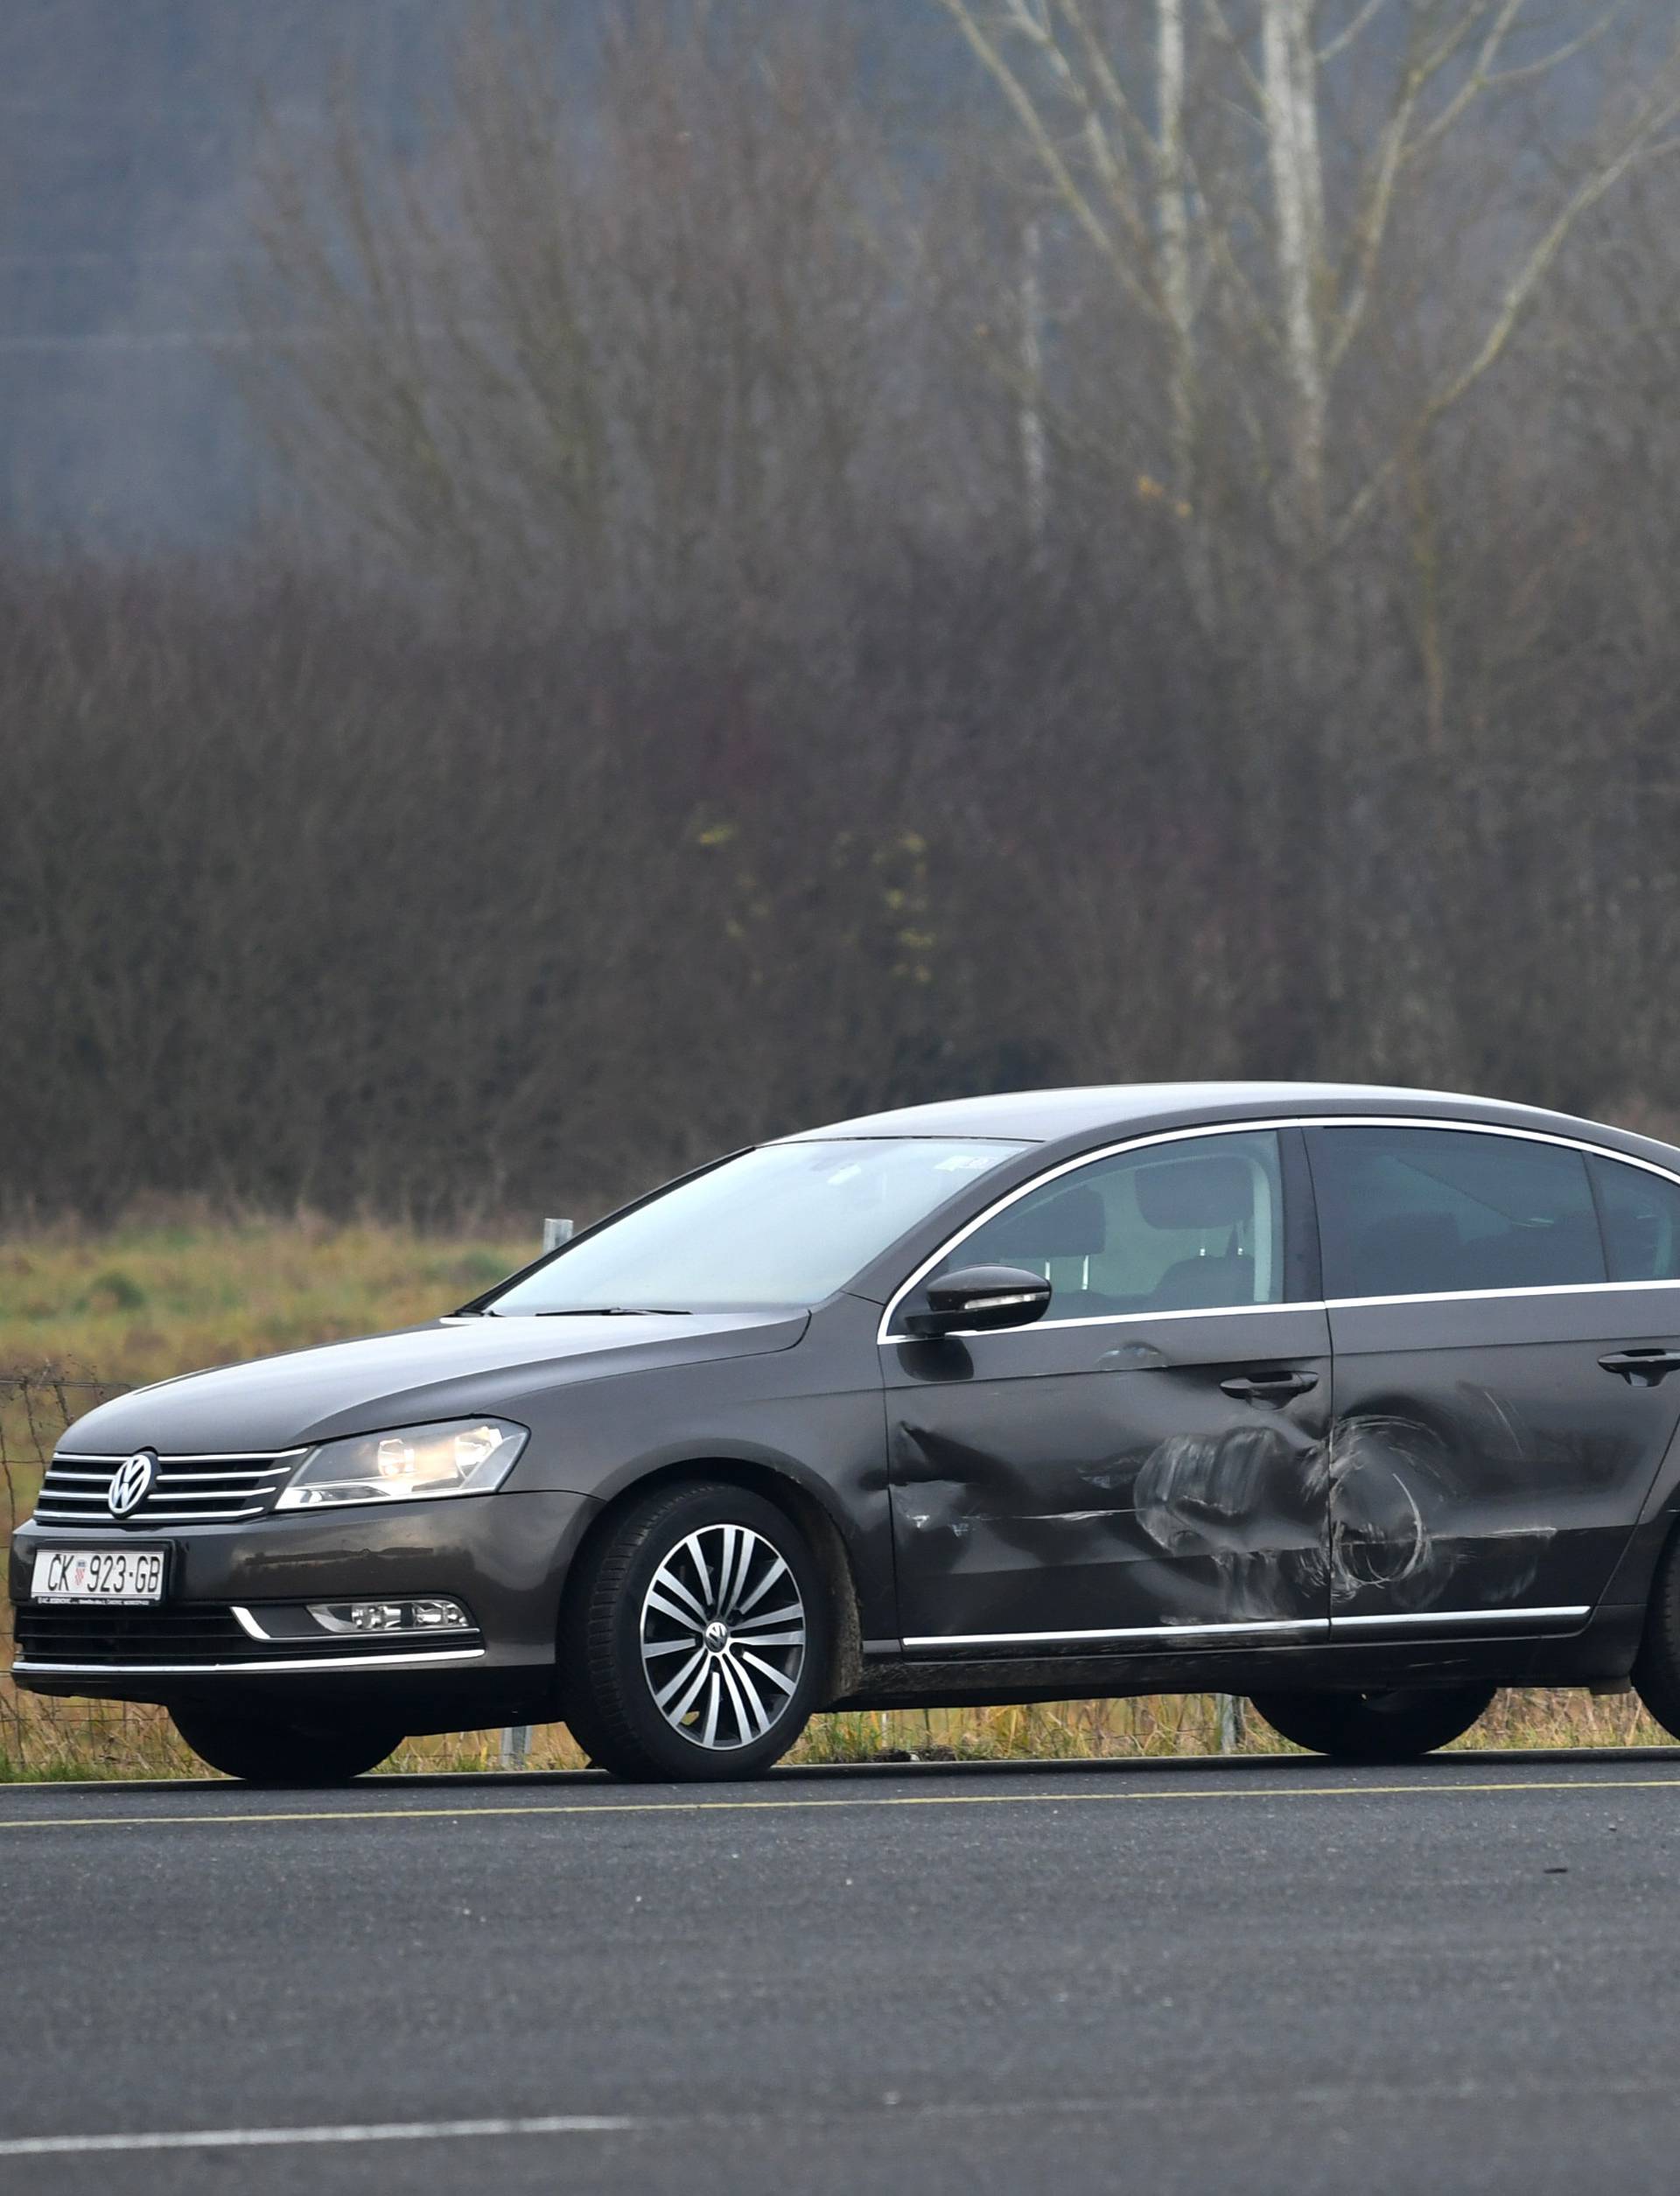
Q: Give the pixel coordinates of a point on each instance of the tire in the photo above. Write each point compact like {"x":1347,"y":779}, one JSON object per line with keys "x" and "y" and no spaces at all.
{"x":694,"y":1641}
{"x":1656,"y":1667}
{"x":1397,"y":1725}
{"x":260,"y":1752}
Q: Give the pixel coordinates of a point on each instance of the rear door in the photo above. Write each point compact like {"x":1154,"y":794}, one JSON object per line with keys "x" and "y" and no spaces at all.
{"x":1141,"y":1467}
{"x":1501,"y":1401}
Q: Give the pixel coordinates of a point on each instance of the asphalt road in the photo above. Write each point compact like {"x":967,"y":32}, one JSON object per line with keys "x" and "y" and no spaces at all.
{"x":1158,"y":1977}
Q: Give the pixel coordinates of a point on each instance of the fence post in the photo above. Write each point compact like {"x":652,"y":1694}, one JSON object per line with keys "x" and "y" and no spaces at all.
{"x":1230,"y":1708}
{"x":555,"y":1232}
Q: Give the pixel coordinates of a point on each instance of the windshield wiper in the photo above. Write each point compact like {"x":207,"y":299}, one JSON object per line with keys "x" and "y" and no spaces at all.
{"x":616,"y":1311}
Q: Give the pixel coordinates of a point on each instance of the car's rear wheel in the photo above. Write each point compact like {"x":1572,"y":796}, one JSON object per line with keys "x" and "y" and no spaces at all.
{"x":263,"y":1750}
{"x":1394,"y":1725}
{"x":1656,"y":1669}
{"x":695,"y":1639}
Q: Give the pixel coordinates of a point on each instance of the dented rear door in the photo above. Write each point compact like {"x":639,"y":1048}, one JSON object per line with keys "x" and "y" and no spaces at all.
{"x":1502,"y":1399}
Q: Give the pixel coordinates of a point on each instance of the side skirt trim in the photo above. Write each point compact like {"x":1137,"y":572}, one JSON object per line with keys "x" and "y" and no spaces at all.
{"x":1310,"y":1627}
{"x":1462,"y":1616}
{"x":1313,"y":1627}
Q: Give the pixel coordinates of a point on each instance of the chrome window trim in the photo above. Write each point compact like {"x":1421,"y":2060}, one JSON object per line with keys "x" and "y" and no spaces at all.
{"x":1315,"y":1627}
{"x":312,"y":1664}
{"x":1472,"y":1296}
{"x":1128,"y":1319}
{"x":885,"y":1335}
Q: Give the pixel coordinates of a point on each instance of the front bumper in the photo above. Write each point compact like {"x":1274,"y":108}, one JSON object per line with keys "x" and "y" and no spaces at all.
{"x":232,"y":1616}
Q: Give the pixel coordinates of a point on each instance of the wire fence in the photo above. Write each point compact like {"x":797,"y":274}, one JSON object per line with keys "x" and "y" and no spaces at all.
{"x":41,"y":1736}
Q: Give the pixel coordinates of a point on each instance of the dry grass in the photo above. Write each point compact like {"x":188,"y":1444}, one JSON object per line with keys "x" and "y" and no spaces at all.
{"x":146,"y":1300}
{"x":50,"y":1741}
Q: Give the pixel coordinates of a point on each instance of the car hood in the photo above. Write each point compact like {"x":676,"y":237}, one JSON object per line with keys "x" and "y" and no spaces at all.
{"x":450,"y":1369}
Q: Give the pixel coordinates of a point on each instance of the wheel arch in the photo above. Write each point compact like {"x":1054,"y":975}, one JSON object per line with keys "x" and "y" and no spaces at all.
{"x":797,"y":1501}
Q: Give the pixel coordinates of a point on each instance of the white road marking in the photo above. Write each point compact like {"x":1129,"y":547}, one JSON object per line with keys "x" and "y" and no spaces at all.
{"x":276,"y":2138}
{"x":1358,"y":2098}
{"x":1056,"y":1798}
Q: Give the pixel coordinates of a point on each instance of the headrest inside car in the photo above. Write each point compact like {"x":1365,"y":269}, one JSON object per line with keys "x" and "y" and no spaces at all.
{"x":1216,"y":1190}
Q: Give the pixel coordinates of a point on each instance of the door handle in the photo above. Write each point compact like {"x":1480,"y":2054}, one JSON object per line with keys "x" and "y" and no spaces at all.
{"x":1643,"y":1368}
{"x":1277,"y":1388}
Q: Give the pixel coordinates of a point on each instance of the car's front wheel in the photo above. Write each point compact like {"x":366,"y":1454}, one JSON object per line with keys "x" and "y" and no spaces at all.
{"x":1395,"y":1725}
{"x":261,"y":1750}
{"x":695,"y":1639}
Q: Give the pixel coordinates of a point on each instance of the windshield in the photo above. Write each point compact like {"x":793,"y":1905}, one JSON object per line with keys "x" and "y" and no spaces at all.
{"x":787,"y":1224}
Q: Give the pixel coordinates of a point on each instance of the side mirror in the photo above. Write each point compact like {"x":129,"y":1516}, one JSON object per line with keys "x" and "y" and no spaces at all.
{"x":979,"y":1299}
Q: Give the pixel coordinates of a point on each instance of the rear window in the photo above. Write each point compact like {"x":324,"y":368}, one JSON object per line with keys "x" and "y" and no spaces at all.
{"x":1424,"y":1212}
{"x":1641,"y":1222}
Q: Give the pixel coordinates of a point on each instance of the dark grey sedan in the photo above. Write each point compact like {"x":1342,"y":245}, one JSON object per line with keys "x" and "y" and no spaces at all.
{"x":1356,"y":1402}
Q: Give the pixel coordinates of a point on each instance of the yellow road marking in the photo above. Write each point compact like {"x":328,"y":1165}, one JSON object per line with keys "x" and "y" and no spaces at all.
{"x":1233,"y":1791}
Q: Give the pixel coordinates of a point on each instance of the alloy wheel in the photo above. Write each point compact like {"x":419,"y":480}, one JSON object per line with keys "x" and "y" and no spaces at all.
{"x":723,"y":1636}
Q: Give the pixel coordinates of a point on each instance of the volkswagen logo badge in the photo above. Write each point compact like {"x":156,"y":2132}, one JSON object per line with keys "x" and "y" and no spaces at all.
{"x":132,"y":1484}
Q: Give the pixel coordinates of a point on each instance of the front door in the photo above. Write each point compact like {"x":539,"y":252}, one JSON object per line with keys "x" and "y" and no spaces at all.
{"x":1144,"y":1465}
{"x":1501,"y":1306}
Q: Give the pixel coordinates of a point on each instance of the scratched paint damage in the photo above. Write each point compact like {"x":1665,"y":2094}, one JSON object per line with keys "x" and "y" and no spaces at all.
{"x":1400,"y":1521}
{"x":1251,"y":1519}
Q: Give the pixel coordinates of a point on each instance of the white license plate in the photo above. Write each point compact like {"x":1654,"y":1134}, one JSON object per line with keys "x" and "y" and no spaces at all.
{"x":98,"y":1574}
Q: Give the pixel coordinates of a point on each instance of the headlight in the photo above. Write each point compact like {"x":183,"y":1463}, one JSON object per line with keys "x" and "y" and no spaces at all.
{"x":465,"y":1455}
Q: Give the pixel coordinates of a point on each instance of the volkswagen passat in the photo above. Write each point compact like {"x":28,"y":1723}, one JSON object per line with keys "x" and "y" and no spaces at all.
{"x":1359,"y":1403}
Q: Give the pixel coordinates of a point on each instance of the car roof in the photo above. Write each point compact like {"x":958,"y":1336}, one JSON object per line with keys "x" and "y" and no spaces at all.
{"x":1052,"y":1117}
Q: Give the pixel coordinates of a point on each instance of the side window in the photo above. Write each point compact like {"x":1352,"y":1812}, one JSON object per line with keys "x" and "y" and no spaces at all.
{"x":1421,"y":1212}
{"x":1641,"y":1222}
{"x":1183,"y":1227}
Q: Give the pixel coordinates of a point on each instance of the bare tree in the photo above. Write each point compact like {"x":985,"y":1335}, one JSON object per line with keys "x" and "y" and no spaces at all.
{"x":1242,"y":172}
{"x":624,"y":334}
{"x":804,"y":709}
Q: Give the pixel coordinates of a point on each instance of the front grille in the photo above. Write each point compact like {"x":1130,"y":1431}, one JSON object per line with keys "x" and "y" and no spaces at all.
{"x":194,"y":1634}
{"x":188,"y":1491}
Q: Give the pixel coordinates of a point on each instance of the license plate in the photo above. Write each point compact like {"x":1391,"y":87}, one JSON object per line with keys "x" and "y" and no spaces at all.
{"x":98,"y":1574}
